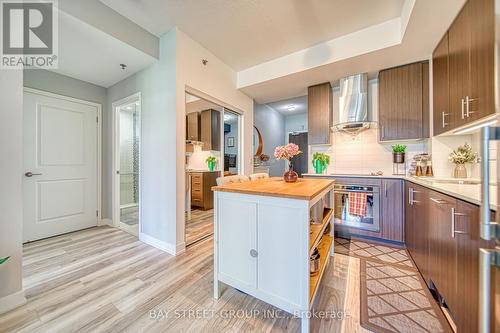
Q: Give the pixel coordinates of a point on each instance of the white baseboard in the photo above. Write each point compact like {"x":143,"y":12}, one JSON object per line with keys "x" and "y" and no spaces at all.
{"x":105,"y":222}
{"x":157,"y":243}
{"x":12,"y":301}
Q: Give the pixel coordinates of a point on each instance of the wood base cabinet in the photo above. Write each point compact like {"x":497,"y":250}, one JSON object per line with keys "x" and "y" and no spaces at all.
{"x":201,"y":189}
{"x":442,"y":236}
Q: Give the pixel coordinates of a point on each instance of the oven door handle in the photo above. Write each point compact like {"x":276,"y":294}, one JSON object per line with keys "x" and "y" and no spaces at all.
{"x":347,"y":192}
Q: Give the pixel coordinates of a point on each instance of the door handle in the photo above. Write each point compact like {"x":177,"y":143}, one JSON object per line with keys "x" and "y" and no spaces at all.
{"x":439,"y":201}
{"x":444,"y":124}
{"x":454,"y":214}
{"x":467,"y":106}
{"x":31,"y":174}
{"x":253,"y":253}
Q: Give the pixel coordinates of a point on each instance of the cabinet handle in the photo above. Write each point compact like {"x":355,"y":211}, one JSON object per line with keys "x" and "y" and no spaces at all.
{"x":454,"y":214}
{"x":444,"y":114}
{"x":467,"y":106}
{"x":253,"y":253}
{"x":439,"y":201}
{"x":463,"y":111}
{"x":410,"y":196}
{"x":385,"y":189}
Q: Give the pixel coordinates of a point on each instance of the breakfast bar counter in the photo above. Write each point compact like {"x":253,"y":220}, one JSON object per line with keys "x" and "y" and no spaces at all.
{"x":265,"y":233}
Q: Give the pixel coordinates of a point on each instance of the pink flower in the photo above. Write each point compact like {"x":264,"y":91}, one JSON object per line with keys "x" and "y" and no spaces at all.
{"x":286,"y":152}
{"x":292,"y":149}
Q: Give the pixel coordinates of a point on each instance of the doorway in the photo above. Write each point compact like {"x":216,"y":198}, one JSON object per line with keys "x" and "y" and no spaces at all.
{"x":300,"y":162}
{"x":127,"y":164}
{"x":61,"y":183}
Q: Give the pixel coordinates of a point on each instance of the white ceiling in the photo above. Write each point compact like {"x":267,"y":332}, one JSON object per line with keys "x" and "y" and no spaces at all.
{"x":90,"y":55}
{"x":244,"y":33}
{"x":196,"y":104}
{"x":289,"y":107}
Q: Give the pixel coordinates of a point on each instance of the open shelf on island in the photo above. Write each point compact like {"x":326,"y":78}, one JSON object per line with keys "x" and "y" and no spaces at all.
{"x":324,"y":255}
{"x":316,"y":230}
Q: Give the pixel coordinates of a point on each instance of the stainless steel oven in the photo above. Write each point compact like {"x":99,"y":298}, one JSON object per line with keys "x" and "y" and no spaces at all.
{"x":357,"y":206}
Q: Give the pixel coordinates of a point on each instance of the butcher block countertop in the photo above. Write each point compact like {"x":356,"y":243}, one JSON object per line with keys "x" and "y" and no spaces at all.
{"x":303,"y":189}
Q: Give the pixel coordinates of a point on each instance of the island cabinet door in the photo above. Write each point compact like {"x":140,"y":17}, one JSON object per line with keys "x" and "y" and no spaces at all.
{"x":282,"y":265}
{"x":237,"y":243}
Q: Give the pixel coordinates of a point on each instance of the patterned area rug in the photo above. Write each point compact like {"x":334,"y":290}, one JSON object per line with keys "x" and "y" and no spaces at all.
{"x":393,"y":295}
{"x":374,"y":252}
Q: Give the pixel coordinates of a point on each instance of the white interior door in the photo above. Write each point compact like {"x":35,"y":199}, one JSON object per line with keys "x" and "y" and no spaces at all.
{"x":60,"y":152}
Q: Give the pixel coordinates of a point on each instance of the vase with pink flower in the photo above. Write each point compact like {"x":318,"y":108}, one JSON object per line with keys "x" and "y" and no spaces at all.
{"x":287,"y":153}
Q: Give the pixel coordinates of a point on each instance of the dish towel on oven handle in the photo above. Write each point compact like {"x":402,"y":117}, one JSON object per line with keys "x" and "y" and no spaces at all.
{"x":357,"y":203}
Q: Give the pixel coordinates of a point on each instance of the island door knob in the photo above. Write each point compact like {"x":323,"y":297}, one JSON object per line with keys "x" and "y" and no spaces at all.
{"x":254,"y":253}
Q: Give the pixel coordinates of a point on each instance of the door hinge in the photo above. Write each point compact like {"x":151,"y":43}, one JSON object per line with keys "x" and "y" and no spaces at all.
{"x":96,"y":119}
{"x":97,"y":213}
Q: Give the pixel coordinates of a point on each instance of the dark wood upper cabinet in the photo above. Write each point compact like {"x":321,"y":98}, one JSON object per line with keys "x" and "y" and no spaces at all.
{"x":320,"y":117}
{"x":404,"y":102}
{"x":210,"y":129}
{"x":441,"y":94}
{"x":482,"y":55}
{"x":469,"y":81}
{"x":193,"y":126}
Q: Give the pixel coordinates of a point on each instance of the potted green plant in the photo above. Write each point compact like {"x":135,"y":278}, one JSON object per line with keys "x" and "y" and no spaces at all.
{"x":320,"y":161}
{"x":461,"y":156}
{"x":3,"y":260}
{"x":398,"y":153}
{"x":211,"y":160}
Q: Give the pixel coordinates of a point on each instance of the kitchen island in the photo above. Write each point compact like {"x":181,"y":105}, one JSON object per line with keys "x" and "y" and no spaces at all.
{"x":264,"y":239}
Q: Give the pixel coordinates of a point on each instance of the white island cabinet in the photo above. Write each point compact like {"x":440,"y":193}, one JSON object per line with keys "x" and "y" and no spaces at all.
{"x":264,"y":239}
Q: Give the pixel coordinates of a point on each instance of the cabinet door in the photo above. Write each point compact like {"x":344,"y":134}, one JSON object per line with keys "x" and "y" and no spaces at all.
{"x":442,"y":246}
{"x":236,"y":238}
{"x":319,"y":103}
{"x":420,"y":230}
{"x":482,"y":51}
{"x":192,"y":126}
{"x":442,"y":115}
{"x":408,"y":225}
{"x":392,"y":209}
{"x":459,"y":66}
{"x":400,"y":103}
{"x":210,"y":129}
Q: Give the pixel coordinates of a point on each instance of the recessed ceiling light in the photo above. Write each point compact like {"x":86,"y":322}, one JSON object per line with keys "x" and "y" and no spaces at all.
{"x":291,"y":107}
{"x":227,"y":117}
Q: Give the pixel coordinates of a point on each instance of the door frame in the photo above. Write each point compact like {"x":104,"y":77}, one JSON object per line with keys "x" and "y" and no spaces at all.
{"x":115,"y":192}
{"x":99,"y":138}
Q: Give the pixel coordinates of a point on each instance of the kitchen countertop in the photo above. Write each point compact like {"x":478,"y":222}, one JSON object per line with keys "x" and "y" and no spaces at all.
{"x":193,"y":170}
{"x":303,"y":189}
{"x":469,"y":192}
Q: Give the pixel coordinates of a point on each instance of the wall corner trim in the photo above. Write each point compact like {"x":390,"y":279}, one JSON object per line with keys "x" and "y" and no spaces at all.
{"x":12,"y":301}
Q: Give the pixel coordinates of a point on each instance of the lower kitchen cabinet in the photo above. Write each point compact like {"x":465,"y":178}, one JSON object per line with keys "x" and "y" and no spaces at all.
{"x":392,"y":210}
{"x":442,"y":237}
{"x":416,"y":226}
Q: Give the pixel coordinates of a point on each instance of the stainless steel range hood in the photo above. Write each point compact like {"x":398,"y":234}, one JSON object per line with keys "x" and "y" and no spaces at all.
{"x":353,"y":109}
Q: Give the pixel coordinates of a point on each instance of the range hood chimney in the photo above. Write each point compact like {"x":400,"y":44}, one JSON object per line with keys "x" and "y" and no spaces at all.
{"x":353,"y":110}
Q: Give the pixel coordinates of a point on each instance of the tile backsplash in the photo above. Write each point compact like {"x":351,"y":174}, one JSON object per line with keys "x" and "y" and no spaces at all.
{"x":363,"y":154}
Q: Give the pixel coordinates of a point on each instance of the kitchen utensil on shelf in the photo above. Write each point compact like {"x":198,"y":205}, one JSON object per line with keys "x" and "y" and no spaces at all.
{"x":314,"y":262}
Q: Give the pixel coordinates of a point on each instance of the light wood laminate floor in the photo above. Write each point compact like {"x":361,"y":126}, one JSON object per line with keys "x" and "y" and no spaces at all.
{"x":105,"y":280}
{"x":200,"y":226}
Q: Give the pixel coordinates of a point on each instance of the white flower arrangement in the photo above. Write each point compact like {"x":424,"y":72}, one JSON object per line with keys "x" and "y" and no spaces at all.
{"x":463,"y":155}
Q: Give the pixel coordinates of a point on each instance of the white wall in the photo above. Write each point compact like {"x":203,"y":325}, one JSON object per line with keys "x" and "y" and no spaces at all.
{"x":157,"y":85}
{"x":215,"y":82}
{"x":11,"y":197}
{"x":271,"y":125}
